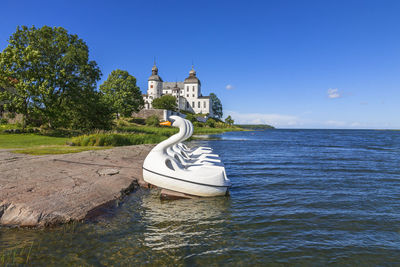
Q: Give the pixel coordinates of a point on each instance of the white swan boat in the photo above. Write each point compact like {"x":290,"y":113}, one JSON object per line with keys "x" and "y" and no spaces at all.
{"x":168,"y":168}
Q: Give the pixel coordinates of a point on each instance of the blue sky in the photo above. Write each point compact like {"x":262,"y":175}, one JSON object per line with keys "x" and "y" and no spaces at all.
{"x":293,"y":64}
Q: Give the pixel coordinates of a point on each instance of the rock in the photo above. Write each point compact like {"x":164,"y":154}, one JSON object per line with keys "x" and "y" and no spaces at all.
{"x":108,"y":171}
{"x":53,"y":189}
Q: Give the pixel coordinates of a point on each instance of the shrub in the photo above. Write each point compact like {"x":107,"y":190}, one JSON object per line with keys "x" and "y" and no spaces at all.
{"x":191,"y":118}
{"x":198,"y":124}
{"x":138,"y":121}
{"x":210,"y":123}
{"x":112,"y":139}
{"x":153,"y":121}
{"x":3,"y":121}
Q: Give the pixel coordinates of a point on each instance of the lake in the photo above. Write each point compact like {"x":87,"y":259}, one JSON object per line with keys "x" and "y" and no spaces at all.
{"x":299,"y":197}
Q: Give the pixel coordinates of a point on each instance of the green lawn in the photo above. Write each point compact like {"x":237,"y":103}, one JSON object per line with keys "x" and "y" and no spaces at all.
{"x":128,"y":134}
{"x":29,"y":140}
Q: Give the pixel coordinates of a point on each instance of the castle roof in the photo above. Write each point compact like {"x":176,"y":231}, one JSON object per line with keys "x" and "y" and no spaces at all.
{"x":154,"y":74}
{"x":171,"y":85}
{"x":192,"y":77}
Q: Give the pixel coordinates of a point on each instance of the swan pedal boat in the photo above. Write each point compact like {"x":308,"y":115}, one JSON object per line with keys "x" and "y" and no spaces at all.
{"x":174,"y":166}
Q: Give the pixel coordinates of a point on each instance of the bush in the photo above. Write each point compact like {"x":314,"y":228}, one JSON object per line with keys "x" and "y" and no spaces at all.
{"x":3,"y":121}
{"x":138,"y":121}
{"x":113,"y":139}
{"x":153,"y":121}
{"x":191,"y":118}
{"x":210,"y":123}
{"x":198,"y":124}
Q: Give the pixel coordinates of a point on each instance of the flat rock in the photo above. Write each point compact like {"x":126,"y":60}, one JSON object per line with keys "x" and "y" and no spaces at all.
{"x":54,"y":189}
{"x":108,"y":171}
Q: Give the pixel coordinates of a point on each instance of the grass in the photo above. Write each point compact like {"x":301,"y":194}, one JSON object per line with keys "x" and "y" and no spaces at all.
{"x":8,"y":127}
{"x":16,"y":256}
{"x":125,"y":133}
{"x":164,"y":131}
{"x":47,"y":150}
{"x":117,"y":139}
{"x":207,"y":130}
{"x":29,"y":140}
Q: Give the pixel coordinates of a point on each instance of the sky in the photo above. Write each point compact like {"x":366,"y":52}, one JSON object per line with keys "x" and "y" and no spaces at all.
{"x":291,"y":64}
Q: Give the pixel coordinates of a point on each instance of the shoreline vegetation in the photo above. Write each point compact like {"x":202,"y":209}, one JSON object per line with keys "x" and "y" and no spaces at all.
{"x":40,"y":141}
{"x":255,"y":126}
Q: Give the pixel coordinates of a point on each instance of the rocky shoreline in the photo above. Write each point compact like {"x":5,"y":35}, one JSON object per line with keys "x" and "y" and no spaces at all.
{"x":37,"y":191}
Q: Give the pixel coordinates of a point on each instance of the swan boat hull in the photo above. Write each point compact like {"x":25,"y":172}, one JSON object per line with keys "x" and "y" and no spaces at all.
{"x":184,"y":186}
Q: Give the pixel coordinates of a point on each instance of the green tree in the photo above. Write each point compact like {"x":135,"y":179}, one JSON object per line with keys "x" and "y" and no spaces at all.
{"x":52,"y":78}
{"x":122,"y":94}
{"x":216,"y":105}
{"x":229,"y":120}
{"x":165,"y":102}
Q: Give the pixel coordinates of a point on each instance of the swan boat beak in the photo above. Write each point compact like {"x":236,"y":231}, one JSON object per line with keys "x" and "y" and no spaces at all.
{"x":166,"y":123}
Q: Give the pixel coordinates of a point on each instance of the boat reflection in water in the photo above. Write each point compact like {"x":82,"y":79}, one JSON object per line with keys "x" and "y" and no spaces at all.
{"x":190,"y":222}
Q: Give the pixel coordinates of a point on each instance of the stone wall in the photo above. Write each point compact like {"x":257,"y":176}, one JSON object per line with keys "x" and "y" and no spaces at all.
{"x":145,"y":113}
{"x":162,"y":114}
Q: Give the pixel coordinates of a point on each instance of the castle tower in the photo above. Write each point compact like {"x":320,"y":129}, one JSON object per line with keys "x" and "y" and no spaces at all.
{"x":154,"y":89}
{"x":192,"y":86}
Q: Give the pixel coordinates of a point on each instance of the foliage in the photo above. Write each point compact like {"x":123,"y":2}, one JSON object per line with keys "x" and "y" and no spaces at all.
{"x":138,"y":121}
{"x":198,"y":124}
{"x":210,"y":123}
{"x":191,"y":118}
{"x":208,"y":130}
{"x":51,"y":79}
{"x":229,"y":120}
{"x":115,"y":139}
{"x":165,"y":102}
{"x":121,"y":93}
{"x":255,"y":126}
{"x":153,"y":121}
{"x":3,"y":121}
{"x":164,"y":131}
{"x":216,"y":105}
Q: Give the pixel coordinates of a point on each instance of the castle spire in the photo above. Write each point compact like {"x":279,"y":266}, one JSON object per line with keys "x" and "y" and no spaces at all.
{"x":154,"y":70}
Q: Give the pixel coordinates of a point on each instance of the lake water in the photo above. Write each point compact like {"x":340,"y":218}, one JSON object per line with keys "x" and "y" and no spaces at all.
{"x":299,"y":197}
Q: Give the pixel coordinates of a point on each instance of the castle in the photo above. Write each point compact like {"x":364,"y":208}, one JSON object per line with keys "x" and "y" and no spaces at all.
{"x":187,"y":93}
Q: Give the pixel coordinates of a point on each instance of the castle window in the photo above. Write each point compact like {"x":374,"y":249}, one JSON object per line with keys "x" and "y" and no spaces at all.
{"x":187,"y":95}
{"x":205,"y":105}
{"x":193,"y":95}
{"x":193,"y":88}
{"x":192,"y":104}
{"x":198,"y":104}
{"x":187,"y":88}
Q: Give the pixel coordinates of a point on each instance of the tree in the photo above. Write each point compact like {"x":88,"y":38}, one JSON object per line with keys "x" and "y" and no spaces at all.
{"x":229,"y":120}
{"x":52,"y":78}
{"x":165,"y":102}
{"x":122,"y":94}
{"x":216,"y":105}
